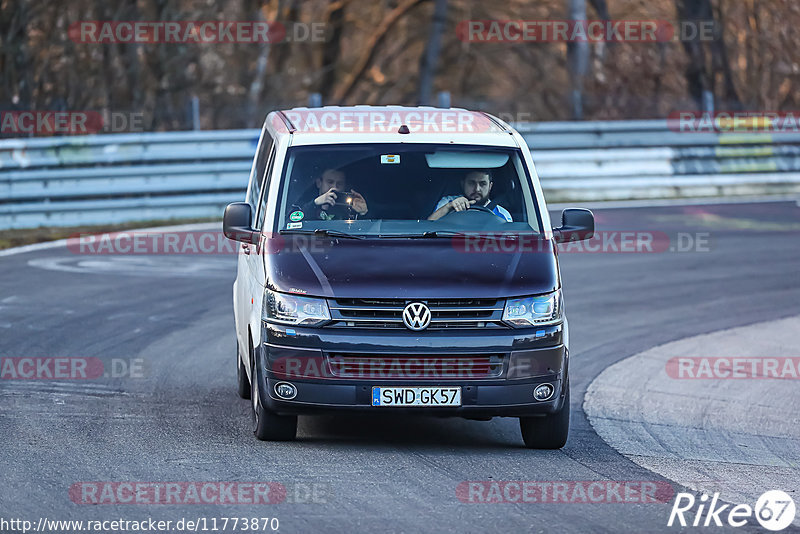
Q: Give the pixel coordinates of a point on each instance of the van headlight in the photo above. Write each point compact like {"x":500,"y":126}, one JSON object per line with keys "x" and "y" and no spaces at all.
{"x":534,"y":311}
{"x":293,"y":309}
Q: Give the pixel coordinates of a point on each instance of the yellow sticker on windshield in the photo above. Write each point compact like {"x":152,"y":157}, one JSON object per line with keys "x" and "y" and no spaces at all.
{"x":390,"y":158}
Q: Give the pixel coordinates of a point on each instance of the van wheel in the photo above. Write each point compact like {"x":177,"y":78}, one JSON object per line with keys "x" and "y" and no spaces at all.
{"x":243,"y":387}
{"x":268,"y":426}
{"x":548,"y":432}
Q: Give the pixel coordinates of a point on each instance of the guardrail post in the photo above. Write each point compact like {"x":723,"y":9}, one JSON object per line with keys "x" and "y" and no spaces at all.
{"x":195,"y":113}
{"x":315,"y":100}
{"x":443,"y":99}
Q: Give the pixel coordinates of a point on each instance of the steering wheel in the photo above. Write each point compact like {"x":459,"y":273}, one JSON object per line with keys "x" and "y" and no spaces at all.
{"x":480,"y":208}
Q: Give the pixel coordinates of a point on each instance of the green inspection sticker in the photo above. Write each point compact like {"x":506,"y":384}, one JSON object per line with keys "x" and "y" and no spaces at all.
{"x":296,"y":216}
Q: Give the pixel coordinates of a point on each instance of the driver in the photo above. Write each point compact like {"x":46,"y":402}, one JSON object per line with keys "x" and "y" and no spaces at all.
{"x":330,"y":186}
{"x":476,"y":186}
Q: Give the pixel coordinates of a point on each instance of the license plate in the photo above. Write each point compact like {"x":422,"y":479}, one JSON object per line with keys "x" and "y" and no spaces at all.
{"x":416,"y":396}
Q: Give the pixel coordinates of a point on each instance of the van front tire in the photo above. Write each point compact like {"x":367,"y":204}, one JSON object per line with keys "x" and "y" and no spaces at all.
{"x":548,"y":432}
{"x":268,"y":426}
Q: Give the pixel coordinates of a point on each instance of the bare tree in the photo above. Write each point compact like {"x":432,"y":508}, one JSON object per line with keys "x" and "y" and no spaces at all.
{"x":397,"y":51}
{"x":370,"y":48}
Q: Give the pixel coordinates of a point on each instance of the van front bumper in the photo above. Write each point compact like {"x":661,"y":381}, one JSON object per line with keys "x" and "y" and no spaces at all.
{"x":302,"y":357}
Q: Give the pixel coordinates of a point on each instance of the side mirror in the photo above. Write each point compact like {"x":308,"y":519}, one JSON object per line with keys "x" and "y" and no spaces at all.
{"x":576,"y":225}
{"x":236,"y":223}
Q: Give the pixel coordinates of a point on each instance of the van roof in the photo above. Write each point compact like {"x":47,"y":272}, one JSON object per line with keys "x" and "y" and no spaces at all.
{"x":384,"y":124}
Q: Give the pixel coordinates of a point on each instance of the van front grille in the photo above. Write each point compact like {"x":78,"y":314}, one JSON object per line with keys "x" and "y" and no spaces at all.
{"x":446,"y":314}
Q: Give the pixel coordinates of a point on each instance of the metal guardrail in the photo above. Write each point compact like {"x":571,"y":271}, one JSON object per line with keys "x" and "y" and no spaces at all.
{"x":105,"y":179}
{"x":617,"y":160}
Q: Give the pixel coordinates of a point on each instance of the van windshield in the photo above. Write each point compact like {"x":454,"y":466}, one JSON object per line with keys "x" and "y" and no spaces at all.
{"x":406,"y":189}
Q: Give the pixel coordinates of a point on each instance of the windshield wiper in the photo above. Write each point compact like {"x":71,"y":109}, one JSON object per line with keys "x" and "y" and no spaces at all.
{"x":429,"y":233}
{"x":323,"y":232}
{"x":444,"y":233}
{"x":456,"y":233}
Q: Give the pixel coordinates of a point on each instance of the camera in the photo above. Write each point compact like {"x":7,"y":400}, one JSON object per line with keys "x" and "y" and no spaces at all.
{"x":344,"y":198}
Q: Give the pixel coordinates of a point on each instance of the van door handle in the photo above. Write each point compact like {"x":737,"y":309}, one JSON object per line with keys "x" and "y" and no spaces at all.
{"x":246,"y":248}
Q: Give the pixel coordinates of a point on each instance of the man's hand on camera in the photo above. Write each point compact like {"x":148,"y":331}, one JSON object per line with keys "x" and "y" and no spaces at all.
{"x":326,"y":200}
{"x":359,"y":205}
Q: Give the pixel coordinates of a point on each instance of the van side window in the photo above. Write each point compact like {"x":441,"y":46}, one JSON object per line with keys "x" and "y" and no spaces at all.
{"x":258,"y":175}
{"x":262,"y":208}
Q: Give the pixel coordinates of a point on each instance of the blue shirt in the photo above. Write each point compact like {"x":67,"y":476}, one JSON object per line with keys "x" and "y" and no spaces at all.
{"x":498,"y":210}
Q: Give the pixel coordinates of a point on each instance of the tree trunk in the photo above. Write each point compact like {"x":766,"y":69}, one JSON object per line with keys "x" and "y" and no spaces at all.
{"x":430,"y":57}
{"x":331,"y":50}
{"x":577,"y":60}
{"x":722,"y":63}
{"x":697,"y":78}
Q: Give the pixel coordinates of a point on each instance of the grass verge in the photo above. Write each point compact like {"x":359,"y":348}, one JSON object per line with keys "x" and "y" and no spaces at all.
{"x":27,"y":236}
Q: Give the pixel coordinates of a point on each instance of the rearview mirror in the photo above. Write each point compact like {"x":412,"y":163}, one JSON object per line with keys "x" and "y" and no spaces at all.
{"x":236,"y":223}
{"x":576,"y":225}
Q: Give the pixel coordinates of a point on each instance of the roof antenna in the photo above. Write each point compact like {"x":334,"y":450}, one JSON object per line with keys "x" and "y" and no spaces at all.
{"x":404,"y":130}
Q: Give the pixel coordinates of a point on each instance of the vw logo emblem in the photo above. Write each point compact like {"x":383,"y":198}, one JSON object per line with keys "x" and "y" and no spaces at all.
{"x":417,"y":316}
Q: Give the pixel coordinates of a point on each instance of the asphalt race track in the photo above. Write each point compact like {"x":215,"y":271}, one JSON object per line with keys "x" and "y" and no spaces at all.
{"x":178,"y":417}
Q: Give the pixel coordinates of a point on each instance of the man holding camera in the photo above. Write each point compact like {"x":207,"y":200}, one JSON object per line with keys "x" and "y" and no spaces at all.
{"x":333,"y":201}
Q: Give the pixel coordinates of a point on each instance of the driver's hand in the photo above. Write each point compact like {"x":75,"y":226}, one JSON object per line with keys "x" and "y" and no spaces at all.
{"x":461,"y":204}
{"x":326,"y":200}
{"x":359,"y":205}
